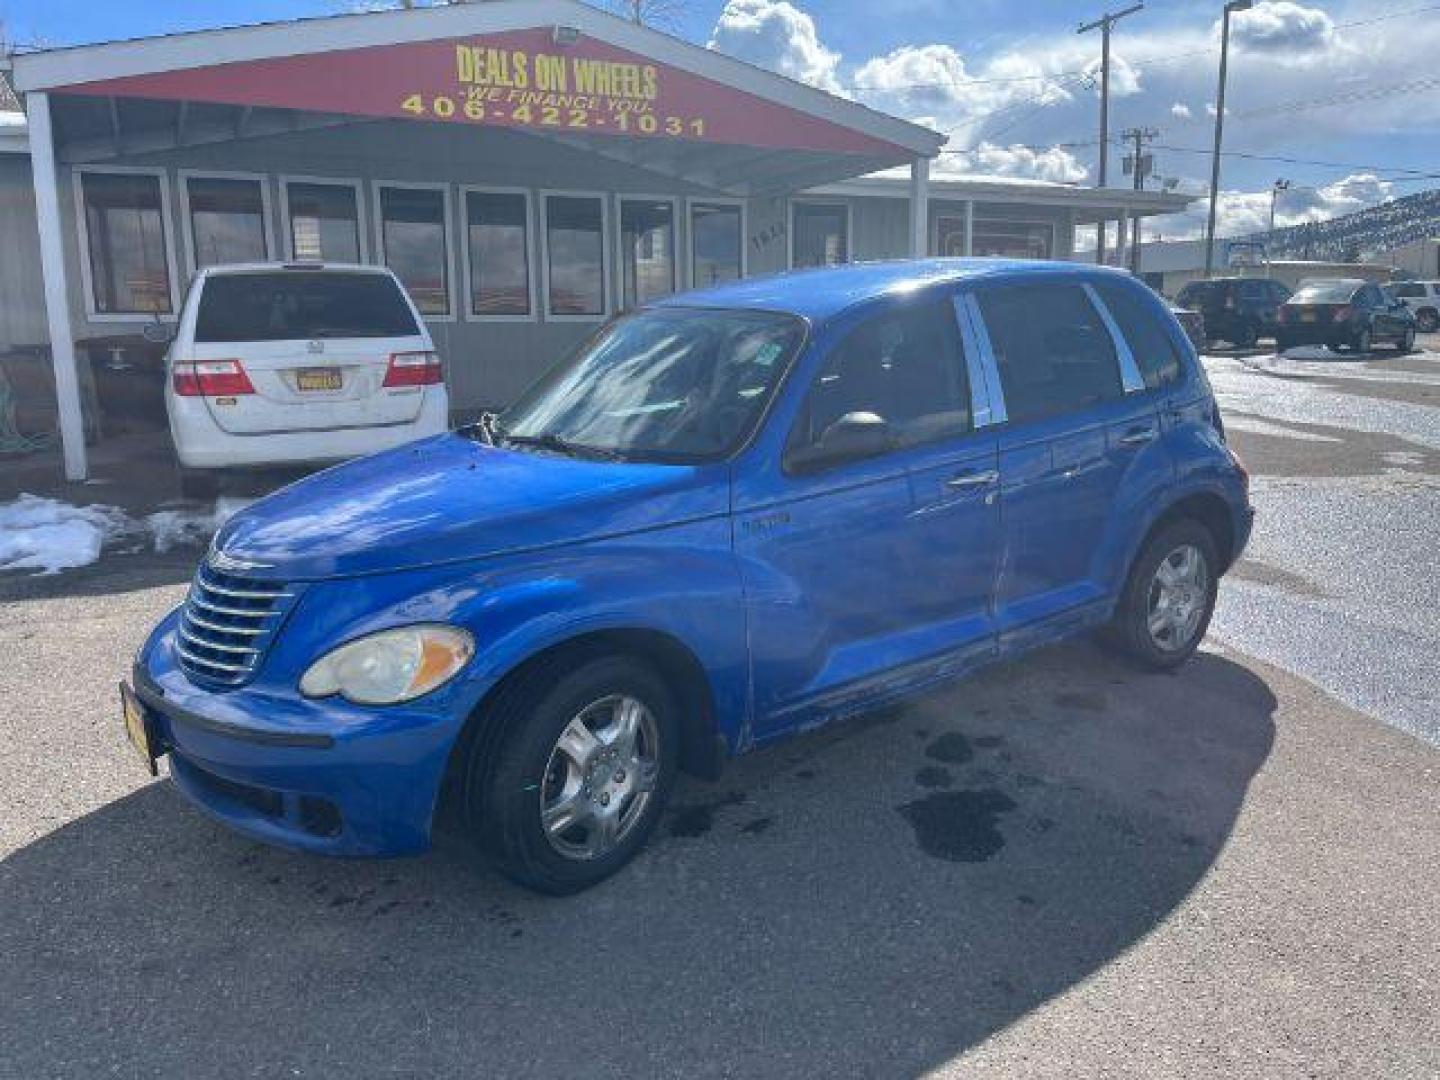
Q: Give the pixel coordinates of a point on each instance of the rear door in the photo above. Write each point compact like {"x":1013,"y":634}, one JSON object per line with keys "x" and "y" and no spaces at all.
{"x":316,"y":345}
{"x":1080,"y":425}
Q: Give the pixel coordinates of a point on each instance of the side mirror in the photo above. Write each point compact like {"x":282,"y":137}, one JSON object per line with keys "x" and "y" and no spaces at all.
{"x":854,"y":436}
{"x":158,"y":333}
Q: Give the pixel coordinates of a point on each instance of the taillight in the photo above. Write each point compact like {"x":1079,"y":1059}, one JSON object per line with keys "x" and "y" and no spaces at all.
{"x":1342,"y":313}
{"x":211,"y":378}
{"x":1282,"y":314}
{"x":414,"y":369}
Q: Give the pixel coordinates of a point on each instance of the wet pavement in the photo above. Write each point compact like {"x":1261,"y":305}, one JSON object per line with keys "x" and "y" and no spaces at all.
{"x":1341,"y":583}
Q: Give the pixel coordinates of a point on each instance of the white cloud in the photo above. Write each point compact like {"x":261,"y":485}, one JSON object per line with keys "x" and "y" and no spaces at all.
{"x":777,"y":35}
{"x":1055,"y":164}
{"x":1284,"y":30}
{"x":1124,"y":77}
{"x":1239,"y":213}
{"x":1180,"y":111}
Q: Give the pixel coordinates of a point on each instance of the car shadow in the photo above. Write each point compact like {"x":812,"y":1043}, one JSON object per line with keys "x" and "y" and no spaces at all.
{"x":870,"y":899}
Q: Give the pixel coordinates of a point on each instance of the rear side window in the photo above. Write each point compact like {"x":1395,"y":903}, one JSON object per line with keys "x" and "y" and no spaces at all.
{"x":1144,"y":330}
{"x":1409,"y":290}
{"x":1053,"y":353}
{"x":1252,"y":290}
{"x":289,"y":305}
{"x":905,"y":366}
{"x":1197,"y":295}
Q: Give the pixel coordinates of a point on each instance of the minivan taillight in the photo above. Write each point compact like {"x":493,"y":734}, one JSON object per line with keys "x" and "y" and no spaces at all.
{"x":414,"y":369}
{"x":211,"y":378}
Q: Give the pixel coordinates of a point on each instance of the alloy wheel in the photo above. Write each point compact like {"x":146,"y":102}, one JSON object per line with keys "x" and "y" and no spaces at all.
{"x":600,"y":778}
{"x":1179,"y":594}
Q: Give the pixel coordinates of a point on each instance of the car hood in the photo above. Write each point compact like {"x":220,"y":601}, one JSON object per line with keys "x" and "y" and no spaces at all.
{"x":449,"y":499}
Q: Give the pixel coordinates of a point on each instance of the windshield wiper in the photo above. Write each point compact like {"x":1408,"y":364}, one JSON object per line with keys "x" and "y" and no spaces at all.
{"x":559,"y":445}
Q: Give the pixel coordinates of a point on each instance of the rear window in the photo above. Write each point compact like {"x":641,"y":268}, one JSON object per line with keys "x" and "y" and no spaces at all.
{"x":1324,"y":293}
{"x":287,"y":305}
{"x":1195,"y":295}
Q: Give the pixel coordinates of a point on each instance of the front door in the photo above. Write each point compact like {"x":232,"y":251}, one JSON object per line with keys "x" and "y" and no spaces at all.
{"x":855,"y":586}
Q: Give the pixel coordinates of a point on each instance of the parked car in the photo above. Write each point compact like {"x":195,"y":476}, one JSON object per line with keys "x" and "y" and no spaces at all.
{"x":1239,"y":310}
{"x":1193,"y":323}
{"x":1423,"y":300}
{"x":281,"y":363}
{"x":668,"y":550}
{"x":1345,"y":313}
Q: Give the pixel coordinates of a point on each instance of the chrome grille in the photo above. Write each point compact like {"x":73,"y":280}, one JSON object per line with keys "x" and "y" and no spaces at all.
{"x":227,"y":624}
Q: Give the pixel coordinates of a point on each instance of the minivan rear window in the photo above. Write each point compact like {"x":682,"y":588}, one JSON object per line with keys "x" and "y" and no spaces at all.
{"x":287,"y":305}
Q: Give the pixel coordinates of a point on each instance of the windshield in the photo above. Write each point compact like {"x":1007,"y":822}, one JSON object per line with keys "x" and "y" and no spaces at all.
{"x":1325,"y":292}
{"x":292,"y":305}
{"x":670,"y":384}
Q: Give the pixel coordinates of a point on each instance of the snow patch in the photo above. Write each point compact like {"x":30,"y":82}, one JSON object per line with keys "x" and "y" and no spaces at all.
{"x":48,"y":536}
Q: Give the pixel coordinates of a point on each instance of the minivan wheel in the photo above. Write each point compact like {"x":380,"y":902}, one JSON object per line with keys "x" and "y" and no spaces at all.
{"x":1165,"y":609}
{"x":582,"y":773}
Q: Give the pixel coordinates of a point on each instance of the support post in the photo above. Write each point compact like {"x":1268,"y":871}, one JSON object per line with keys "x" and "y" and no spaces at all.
{"x":969,"y":227}
{"x":920,"y":207}
{"x":57,"y":293}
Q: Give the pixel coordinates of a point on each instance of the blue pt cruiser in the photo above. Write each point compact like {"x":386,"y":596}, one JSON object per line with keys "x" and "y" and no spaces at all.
{"x":728,"y":517}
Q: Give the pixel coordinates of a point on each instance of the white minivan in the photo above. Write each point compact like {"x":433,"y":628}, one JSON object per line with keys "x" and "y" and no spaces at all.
{"x":283,"y":363}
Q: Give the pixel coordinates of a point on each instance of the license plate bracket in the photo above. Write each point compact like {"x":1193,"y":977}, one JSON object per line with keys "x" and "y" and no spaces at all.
{"x":137,"y":727}
{"x":311,"y":379}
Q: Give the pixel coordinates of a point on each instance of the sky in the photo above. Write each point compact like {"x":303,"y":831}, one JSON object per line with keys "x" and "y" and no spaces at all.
{"x":1343,"y":89}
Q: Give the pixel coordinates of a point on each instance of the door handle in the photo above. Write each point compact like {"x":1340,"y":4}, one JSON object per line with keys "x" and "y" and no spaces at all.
{"x":1138,"y":436}
{"x":961,"y":481}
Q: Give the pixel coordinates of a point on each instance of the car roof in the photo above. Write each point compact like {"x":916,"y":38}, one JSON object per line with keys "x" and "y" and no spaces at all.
{"x":821,"y":293}
{"x":294,"y":265}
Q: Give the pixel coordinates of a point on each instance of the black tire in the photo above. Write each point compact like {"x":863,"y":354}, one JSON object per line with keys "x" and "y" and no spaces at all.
{"x":1282,"y":344}
{"x":505,"y":789}
{"x":1406,"y":343}
{"x":1427,"y":320}
{"x":1363,"y":340}
{"x":202,"y":485}
{"x":1129,"y":628}
{"x":1246,"y":336}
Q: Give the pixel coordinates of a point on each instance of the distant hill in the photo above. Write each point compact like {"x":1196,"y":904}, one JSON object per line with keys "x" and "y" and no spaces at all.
{"x":1356,"y":236}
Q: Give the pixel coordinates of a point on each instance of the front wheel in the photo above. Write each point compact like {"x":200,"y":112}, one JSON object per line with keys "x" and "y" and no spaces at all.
{"x":1428,"y":321}
{"x":1246,"y":336}
{"x":1169,"y":597}
{"x":581,"y":776}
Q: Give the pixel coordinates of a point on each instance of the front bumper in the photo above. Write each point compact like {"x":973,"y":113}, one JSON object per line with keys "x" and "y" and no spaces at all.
{"x":324,"y":777}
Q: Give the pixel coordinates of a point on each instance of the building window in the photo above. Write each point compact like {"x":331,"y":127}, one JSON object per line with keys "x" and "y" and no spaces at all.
{"x":820,"y":234}
{"x":575,"y":255}
{"x":227,"y":220}
{"x":716,"y":240}
{"x":413,"y":242}
{"x":647,"y":250}
{"x":498,"y":224}
{"x":949,"y":235}
{"x":1014,"y":239}
{"x":324,"y":221}
{"x":125,"y":233}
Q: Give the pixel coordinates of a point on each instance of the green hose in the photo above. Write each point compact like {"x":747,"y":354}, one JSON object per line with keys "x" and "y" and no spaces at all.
{"x":11,"y":440}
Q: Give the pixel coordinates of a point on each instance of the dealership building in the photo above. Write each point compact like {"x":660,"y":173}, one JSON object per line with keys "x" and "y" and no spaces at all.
{"x":527,"y":167}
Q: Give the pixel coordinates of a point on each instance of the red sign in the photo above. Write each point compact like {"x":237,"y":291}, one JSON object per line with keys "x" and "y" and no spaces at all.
{"x":518,"y":79}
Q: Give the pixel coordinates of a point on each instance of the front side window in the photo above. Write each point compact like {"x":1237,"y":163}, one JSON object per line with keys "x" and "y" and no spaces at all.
{"x":647,"y":251}
{"x":821,"y":235}
{"x":905,"y":367}
{"x":575,"y":254}
{"x":324,"y":222}
{"x":413,"y":236}
{"x":1140,"y":324}
{"x":1053,"y":353}
{"x":125,"y":233}
{"x":498,"y":223}
{"x":227,"y":220}
{"x":715,"y":236}
{"x":295,"y":305}
{"x":665,"y":384}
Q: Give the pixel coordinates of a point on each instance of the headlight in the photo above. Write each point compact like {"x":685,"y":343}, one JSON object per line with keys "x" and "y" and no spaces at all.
{"x":391,"y":666}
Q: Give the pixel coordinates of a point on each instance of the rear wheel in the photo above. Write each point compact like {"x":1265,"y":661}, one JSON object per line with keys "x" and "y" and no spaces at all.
{"x":1407,"y":341}
{"x":1246,"y":336}
{"x":1362,"y":341}
{"x":1169,"y":597}
{"x":582,"y":773}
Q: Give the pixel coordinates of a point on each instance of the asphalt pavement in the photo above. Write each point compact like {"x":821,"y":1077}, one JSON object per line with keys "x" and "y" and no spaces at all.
{"x":1063,"y":867}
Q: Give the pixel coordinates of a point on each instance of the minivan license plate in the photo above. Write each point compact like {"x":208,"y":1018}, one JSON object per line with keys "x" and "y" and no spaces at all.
{"x":318,"y":379}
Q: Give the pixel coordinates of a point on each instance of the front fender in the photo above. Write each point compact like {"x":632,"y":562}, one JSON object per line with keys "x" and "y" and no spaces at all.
{"x":680,"y":581}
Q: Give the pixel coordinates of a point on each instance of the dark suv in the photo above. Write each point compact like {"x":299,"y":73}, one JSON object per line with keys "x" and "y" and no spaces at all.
{"x":1239,"y":310}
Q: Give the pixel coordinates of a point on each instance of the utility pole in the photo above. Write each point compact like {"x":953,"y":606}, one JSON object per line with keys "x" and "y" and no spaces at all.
{"x":1104,"y":24}
{"x":1230,"y":8}
{"x":1140,"y":168}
